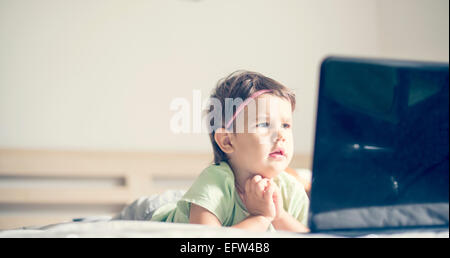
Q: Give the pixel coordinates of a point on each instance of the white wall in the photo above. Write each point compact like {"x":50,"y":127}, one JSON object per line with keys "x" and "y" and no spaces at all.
{"x":101,"y":74}
{"x":414,"y":29}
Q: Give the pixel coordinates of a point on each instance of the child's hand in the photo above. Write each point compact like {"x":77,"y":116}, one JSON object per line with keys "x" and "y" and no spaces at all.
{"x":277,"y":200}
{"x":258,"y":197}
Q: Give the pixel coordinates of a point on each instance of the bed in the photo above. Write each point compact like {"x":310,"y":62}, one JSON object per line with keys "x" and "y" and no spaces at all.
{"x":53,"y":193}
{"x":137,"y":229}
{"x":40,"y":187}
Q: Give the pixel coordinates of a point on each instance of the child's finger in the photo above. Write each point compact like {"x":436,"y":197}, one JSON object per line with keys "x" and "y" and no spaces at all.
{"x":268,"y":194}
{"x":262,"y":185}
{"x":275,"y":195}
{"x":242,"y":198}
{"x":257,"y":178}
{"x":272,"y":183}
{"x":251,"y":185}
{"x":254,"y":183}
{"x":247,"y":186}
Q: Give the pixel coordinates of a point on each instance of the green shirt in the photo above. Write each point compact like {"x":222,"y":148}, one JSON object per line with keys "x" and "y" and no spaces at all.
{"x":215,"y":191}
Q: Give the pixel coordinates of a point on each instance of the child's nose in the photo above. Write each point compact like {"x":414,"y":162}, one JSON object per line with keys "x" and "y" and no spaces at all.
{"x":279,"y":135}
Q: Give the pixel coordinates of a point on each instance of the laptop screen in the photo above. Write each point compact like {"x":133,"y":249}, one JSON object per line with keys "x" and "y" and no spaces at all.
{"x":381,"y":146}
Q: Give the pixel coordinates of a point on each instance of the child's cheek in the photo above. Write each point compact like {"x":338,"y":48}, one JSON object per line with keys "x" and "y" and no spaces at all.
{"x":264,"y":140}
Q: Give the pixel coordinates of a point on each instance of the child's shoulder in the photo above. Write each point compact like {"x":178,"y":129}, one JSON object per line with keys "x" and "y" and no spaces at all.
{"x":216,"y":182}
{"x":221,"y":170}
{"x":220,"y":174}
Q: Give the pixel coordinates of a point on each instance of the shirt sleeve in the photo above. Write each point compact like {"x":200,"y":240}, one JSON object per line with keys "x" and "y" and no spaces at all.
{"x":213,"y":190}
{"x":295,"y":199}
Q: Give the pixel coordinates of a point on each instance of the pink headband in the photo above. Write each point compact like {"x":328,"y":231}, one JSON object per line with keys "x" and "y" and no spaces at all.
{"x":245,"y":103}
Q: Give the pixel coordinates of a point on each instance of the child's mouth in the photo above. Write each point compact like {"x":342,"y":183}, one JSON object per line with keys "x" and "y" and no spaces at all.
{"x":277,"y":154}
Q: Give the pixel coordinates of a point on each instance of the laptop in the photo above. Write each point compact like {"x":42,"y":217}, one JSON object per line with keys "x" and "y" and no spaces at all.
{"x":381,"y":153}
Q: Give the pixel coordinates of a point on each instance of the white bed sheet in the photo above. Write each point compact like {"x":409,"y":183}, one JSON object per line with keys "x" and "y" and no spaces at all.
{"x":149,"y":229}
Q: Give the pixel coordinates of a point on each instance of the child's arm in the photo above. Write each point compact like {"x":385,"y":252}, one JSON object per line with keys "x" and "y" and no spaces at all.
{"x":285,"y":221}
{"x":259,"y":204}
{"x":200,"y":215}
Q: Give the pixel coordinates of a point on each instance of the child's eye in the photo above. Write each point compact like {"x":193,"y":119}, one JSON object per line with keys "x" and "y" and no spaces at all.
{"x":286,"y":125}
{"x":263,"y":125}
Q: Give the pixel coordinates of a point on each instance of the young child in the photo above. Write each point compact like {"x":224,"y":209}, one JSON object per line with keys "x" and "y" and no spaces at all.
{"x":247,"y":186}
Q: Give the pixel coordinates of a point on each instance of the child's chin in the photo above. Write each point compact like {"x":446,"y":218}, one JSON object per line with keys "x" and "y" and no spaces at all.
{"x":274,"y":170}
{"x":278,"y":163}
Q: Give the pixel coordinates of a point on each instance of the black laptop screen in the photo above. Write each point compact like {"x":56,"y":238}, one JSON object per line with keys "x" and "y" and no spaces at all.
{"x":382,"y":145}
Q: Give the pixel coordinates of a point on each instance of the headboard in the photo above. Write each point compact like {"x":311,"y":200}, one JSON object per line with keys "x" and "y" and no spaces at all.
{"x":39,"y":187}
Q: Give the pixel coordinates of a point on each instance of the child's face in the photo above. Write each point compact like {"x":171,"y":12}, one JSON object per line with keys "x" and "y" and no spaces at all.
{"x":266,"y":147}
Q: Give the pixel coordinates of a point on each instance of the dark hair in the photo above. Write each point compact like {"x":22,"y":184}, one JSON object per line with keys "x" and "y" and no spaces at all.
{"x":242,"y":84}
